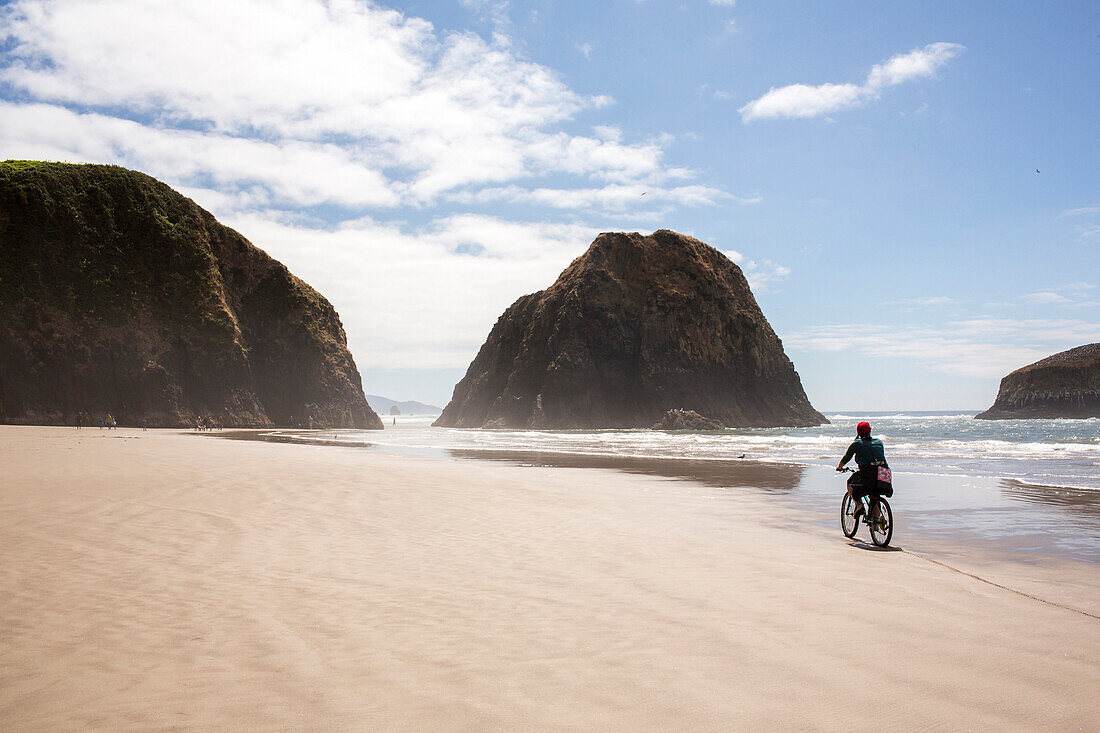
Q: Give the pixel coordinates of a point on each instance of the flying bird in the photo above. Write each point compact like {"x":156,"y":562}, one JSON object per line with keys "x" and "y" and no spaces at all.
{"x":644,"y":192}
{"x":1036,"y":170}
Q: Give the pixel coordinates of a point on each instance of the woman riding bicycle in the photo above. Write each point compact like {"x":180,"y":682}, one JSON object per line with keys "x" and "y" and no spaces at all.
{"x":869,"y":453}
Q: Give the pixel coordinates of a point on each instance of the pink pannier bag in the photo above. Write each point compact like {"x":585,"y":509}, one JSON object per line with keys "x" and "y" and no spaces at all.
{"x":884,"y":475}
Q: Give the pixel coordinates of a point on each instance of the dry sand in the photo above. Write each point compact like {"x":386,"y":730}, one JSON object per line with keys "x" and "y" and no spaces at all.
{"x":159,"y":580}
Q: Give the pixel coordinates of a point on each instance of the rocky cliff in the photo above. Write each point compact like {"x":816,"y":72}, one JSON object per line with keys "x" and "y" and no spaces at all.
{"x":634,"y":327}
{"x":1064,"y":385}
{"x":119,"y":295}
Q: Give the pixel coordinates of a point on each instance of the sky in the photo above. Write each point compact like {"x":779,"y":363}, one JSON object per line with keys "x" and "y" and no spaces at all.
{"x":912,"y":189}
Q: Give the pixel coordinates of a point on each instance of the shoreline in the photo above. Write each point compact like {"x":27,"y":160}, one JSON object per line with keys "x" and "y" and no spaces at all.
{"x":979,"y":512}
{"x":154,"y":581}
{"x":964,"y":459}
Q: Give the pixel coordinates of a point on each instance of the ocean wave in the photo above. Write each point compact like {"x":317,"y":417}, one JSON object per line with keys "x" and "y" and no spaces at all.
{"x":902,"y":416}
{"x":952,"y":443}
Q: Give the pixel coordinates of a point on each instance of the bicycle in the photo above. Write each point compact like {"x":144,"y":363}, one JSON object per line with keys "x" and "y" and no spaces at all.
{"x":874,"y":505}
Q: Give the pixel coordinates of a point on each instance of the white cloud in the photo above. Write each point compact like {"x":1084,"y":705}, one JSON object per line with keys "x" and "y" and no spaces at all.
{"x":1081,"y":211}
{"x":925,"y":302}
{"x":601,"y":158}
{"x":982,"y":348}
{"x":585,"y":49}
{"x":920,"y":63}
{"x":760,"y":274}
{"x":272,"y":114}
{"x":764,"y":274}
{"x":418,"y":297}
{"x":1074,"y":294}
{"x":723,"y":3}
{"x":1045,"y":297}
{"x":1085,"y":226}
{"x":292,"y":172}
{"x":494,"y":10}
{"x":1088,"y":232}
{"x":613,"y":197}
{"x":336,"y":102}
{"x":1034,"y":330}
{"x":192,"y":60}
{"x":802,"y":100}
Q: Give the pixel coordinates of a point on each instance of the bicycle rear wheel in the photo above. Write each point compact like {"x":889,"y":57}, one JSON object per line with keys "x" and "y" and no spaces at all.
{"x":882,"y":526}
{"x":849,"y":523}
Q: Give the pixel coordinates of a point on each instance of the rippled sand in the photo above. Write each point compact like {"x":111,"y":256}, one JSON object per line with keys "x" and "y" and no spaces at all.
{"x":162,"y":580}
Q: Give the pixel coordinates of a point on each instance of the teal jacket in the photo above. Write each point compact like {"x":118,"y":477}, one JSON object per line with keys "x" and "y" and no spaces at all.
{"x":868,"y":452}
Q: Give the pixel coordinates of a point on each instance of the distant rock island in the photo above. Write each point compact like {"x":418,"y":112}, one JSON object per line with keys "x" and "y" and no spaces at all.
{"x":633,"y":328}
{"x":119,"y":295}
{"x":1064,"y":385}
{"x":407,"y":407}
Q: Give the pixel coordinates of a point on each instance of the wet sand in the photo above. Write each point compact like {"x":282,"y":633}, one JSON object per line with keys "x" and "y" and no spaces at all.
{"x":154,"y":580}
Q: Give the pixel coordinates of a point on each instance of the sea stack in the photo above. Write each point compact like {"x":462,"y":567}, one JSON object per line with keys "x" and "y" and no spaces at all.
{"x":635,"y":327}
{"x":119,"y":295}
{"x":1065,"y":385}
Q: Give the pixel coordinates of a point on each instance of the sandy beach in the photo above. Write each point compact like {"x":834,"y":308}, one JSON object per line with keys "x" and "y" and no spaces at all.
{"x":165,"y":580}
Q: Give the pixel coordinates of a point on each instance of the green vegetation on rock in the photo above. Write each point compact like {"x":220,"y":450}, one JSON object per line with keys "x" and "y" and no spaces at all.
{"x":120,"y":295}
{"x":1064,"y":385}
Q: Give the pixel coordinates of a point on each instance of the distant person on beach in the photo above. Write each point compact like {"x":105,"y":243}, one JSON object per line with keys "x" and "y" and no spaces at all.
{"x":111,"y":421}
{"x":869,"y":453}
{"x":311,"y":422}
{"x":144,"y":423}
{"x":79,"y":420}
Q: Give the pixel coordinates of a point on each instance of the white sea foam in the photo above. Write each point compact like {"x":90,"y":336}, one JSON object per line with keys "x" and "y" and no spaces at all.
{"x":952,"y":443}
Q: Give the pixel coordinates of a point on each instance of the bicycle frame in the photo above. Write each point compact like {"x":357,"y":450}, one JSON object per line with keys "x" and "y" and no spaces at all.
{"x":876,"y":512}
{"x":865,"y":500}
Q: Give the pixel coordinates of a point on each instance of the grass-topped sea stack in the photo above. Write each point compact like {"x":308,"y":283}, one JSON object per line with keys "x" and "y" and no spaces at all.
{"x":1065,"y":385}
{"x":635,"y":327}
{"x":120,"y":295}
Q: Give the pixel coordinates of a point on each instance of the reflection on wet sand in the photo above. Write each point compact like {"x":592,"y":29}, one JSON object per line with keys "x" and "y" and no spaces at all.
{"x":1081,"y":501}
{"x":271,"y":436}
{"x":1083,"y":504}
{"x":781,"y":477}
{"x":1004,"y":513}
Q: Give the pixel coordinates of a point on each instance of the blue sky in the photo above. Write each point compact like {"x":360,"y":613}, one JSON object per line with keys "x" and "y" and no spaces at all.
{"x":872,"y":166}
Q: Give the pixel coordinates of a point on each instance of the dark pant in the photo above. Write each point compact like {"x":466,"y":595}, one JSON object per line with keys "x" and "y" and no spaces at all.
{"x":867,"y":476}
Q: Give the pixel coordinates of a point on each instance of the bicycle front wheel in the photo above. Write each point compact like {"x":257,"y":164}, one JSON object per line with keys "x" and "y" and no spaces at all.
{"x":882,"y":525}
{"x":849,"y":523}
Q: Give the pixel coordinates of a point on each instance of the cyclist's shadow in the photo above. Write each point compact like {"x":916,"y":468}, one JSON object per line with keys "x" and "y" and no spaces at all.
{"x":861,"y":545}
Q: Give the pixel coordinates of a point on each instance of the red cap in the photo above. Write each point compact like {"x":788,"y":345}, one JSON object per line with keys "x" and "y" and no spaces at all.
{"x":864,"y":428}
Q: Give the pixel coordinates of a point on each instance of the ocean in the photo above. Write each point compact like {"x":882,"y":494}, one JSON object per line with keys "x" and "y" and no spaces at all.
{"x":1054,"y":453}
